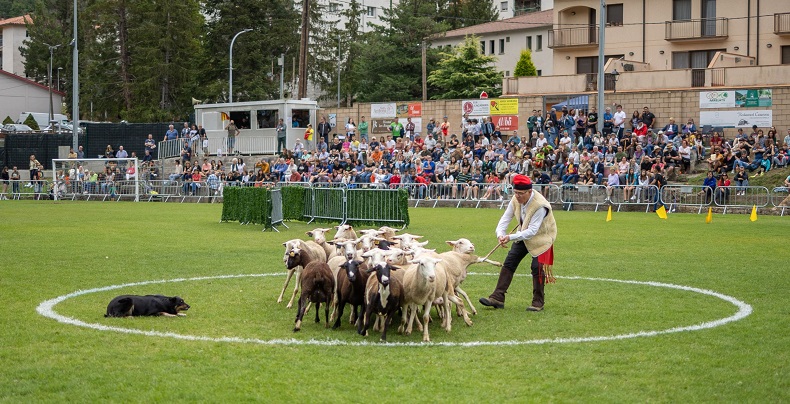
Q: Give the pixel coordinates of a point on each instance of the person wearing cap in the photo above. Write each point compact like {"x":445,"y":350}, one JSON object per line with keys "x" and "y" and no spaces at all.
{"x":534,"y":237}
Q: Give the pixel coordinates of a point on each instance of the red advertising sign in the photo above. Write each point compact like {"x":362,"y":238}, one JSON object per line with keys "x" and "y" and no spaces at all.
{"x":415,"y":109}
{"x":506,"y":122}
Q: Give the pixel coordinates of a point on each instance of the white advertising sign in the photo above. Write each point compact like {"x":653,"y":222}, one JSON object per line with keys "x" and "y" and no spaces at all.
{"x":717,"y":99}
{"x":387,"y":110}
{"x":476,"y":107}
{"x":737,"y":119}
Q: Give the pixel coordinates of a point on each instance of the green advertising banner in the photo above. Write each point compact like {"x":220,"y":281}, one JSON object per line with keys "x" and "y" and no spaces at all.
{"x":754,"y":98}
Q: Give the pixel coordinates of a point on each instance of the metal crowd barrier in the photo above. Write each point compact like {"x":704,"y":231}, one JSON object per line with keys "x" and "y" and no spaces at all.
{"x":277,"y":209}
{"x":19,"y":189}
{"x":582,"y":195}
{"x":327,"y":203}
{"x":632,"y":195}
{"x":169,"y":148}
{"x":730,"y":197}
{"x":780,"y":199}
{"x":370,"y":211}
{"x":694,"y":196}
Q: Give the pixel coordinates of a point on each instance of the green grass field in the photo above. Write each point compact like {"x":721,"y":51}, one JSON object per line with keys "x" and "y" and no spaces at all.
{"x":50,"y":249}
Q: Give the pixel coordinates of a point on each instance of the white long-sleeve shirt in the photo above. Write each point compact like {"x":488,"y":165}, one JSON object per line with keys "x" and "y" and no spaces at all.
{"x":532,"y":228}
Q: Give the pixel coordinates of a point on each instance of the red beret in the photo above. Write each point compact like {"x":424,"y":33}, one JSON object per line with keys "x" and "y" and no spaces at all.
{"x":522,"y":182}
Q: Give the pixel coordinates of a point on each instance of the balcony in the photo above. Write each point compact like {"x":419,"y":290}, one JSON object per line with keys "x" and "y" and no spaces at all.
{"x":581,"y":37}
{"x":782,"y":24}
{"x":696,"y":30}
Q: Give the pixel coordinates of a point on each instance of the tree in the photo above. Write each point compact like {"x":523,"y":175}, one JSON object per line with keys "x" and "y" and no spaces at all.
{"x":275,"y":31}
{"x":459,"y":14}
{"x":7,"y":120}
{"x":390,"y":61}
{"x":464,"y":72}
{"x":30,"y":121}
{"x":15,"y":8}
{"x":524,"y":66}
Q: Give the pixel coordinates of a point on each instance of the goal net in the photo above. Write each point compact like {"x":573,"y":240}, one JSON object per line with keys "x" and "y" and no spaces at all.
{"x":114,"y":178}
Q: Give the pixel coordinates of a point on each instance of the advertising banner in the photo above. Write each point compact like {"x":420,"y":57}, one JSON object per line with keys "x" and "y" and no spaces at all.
{"x":506,"y":122}
{"x":475,"y":108}
{"x":503,"y":106}
{"x":737,"y":119}
{"x":415,"y":109}
{"x":736,"y":98}
{"x":381,"y":126}
{"x":387,"y":110}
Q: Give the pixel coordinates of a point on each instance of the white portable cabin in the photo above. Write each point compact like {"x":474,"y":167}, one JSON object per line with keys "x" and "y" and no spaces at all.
{"x":256,"y":121}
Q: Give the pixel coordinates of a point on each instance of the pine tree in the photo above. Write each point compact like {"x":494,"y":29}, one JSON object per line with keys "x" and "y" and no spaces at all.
{"x":15,"y":8}
{"x":7,"y":120}
{"x":30,"y":121}
{"x":524,"y":66}
{"x":464,"y":72}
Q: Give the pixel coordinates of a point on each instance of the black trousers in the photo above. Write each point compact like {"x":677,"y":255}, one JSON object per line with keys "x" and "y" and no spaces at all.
{"x":517,"y":253}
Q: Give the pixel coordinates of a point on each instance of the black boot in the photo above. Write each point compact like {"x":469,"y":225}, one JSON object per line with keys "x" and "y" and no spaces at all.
{"x":538,"y":282}
{"x":497,"y":299}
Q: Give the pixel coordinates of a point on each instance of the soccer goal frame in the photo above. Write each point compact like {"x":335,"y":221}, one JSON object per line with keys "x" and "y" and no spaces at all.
{"x":71,"y":177}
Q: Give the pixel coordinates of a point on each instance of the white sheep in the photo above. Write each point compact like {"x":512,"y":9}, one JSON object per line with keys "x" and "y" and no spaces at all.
{"x":345,"y":231}
{"x":299,"y":253}
{"x":419,"y":288}
{"x":406,"y":240}
{"x":319,"y":236}
{"x":456,"y":263}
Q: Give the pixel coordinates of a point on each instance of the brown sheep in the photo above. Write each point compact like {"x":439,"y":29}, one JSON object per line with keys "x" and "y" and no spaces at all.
{"x":317,"y":287}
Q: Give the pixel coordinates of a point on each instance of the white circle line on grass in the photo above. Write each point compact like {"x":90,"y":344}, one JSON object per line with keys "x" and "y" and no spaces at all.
{"x":46,"y":309}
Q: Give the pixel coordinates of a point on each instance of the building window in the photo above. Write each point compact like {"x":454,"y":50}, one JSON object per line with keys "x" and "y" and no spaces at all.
{"x":507,"y":39}
{"x":371,"y":12}
{"x":501,"y":46}
{"x":483,"y":47}
{"x":786,"y":55}
{"x":334,"y":7}
{"x":681,"y":10}
{"x":491,"y":47}
{"x":507,"y":73}
{"x":589,"y":64}
{"x":614,"y":15}
{"x":503,"y":6}
{"x":540,"y":72}
{"x":538,"y":43}
{"x":529,"y":42}
{"x":693,"y":59}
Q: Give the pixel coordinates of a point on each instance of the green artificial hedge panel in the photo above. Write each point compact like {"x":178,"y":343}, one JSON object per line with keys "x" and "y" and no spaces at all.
{"x":247,"y":205}
{"x":294,"y":199}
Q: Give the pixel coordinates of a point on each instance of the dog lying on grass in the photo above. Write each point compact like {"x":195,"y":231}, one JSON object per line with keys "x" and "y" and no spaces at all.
{"x":150,"y":305}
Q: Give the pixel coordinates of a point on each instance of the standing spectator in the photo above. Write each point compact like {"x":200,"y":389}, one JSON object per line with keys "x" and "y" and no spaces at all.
{"x":34,"y":164}
{"x":121,"y":154}
{"x":618,"y":121}
{"x":185,"y":131}
{"x":397,"y":128}
{"x":150,"y":144}
{"x":445,"y":128}
{"x":233,"y":131}
{"x":409,"y":128}
{"x":186,"y":153}
{"x":171,"y":134}
{"x":324,"y":129}
{"x":592,"y":120}
{"x":363,"y":128}
{"x":194,"y":138}
{"x":648,"y":118}
{"x":5,"y":177}
{"x":80,"y":153}
{"x":280,"y":136}
{"x":15,"y":178}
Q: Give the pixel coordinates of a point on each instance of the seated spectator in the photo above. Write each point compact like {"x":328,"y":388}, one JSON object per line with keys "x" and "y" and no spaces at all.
{"x":571,"y":173}
{"x":722,"y":188}
{"x":588,"y":178}
{"x":612,"y":182}
{"x":493,"y":188}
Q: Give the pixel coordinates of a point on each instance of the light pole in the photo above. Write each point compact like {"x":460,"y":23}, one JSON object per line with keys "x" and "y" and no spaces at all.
{"x":59,"y":69}
{"x":230,"y":67}
{"x":51,"y":108}
{"x":338,"y":71}
{"x":75,"y":87}
{"x":281,"y":62}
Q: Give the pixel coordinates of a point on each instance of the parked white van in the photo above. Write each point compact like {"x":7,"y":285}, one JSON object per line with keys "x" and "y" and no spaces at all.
{"x":42,"y":118}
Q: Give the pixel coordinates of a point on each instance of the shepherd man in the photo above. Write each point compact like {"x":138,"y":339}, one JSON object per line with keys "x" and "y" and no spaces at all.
{"x":534,"y":237}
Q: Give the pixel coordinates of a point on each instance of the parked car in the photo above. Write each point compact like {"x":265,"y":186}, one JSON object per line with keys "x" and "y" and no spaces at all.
{"x":16,"y":127}
{"x":62,"y":127}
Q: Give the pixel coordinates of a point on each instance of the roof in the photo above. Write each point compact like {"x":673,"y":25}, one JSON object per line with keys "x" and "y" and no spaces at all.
{"x":31,"y":82}
{"x":21,"y":20}
{"x":521,"y":22}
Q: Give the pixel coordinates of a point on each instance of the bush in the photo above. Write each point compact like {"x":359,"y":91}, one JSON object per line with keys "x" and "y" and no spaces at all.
{"x":524,"y":66}
{"x":30,"y":121}
{"x":7,"y":120}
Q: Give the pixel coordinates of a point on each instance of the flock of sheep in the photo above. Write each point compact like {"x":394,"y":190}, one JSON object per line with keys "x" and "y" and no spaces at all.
{"x":381,"y":274}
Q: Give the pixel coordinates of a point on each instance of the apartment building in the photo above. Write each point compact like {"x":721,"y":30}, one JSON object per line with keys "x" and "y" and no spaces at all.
{"x":514,"y":8}
{"x":505,"y":39}
{"x":12,"y":33}
{"x":670,"y":34}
